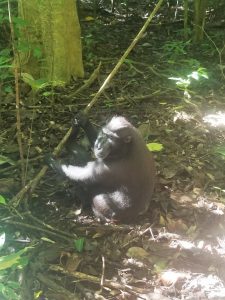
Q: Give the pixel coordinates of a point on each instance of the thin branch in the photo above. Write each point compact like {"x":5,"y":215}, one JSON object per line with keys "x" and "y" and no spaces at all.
{"x":121,"y":61}
{"x":34,"y":182}
{"x":218,"y":51}
{"x":56,"y":288}
{"x":16,"y":76}
{"x":88,"y":82}
{"x":94,"y":279}
{"x":32,"y":227}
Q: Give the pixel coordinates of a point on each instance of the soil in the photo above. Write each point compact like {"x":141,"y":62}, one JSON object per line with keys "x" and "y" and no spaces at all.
{"x":177,"y":249}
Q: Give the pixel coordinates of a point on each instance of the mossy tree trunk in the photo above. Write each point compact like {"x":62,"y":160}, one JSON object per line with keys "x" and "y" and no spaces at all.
{"x":199,"y":19}
{"x":50,"y":44}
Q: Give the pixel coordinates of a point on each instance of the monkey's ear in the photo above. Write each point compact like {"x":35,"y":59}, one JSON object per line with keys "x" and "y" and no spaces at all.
{"x":127,"y":139}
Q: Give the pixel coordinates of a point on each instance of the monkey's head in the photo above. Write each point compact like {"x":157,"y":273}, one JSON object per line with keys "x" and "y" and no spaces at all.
{"x":114,"y":140}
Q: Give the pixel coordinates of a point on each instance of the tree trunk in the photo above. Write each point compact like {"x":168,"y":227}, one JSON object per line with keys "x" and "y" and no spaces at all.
{"x":49,"y":43}
{"x":199,"y":19}
{"x":185,"y":19}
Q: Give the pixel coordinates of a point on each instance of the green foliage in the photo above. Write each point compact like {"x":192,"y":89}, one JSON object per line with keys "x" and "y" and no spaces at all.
{"x":40,"y":84}
{"x":108,"y":103}
{"x":4,"y":159}
{"x":220,"y":150}
{"x":6,"y":59}
{"x":183,"y":83}
{"x":8,"y":264}
{"x":13,"y":260}
{"x":173,"y":49}
{"x":79,"y":244}
{"x":6,"y":73}
{"x":3,"y":16}
{"x":191,"y":63}
{"x":89,"y":44}
{"x":2,"y":201}
{"x":8,"y":290}
{"x":155,"y":147}
{"x":18,"y":23}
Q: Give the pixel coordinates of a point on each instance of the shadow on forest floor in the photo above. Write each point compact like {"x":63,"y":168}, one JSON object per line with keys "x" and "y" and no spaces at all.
{"x":175,"y":251}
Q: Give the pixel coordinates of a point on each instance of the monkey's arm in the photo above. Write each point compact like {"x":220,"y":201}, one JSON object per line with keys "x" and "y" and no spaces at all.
{"x":83,"y":174}
{"x":92,"y":172}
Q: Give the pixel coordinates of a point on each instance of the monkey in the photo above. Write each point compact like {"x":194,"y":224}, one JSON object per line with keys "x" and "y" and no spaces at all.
{"x":120,"y":180}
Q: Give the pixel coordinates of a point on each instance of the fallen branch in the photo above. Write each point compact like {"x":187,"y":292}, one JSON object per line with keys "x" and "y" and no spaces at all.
{"x":88,"y":82}
{"x":32,"y":227}
{"x":94,"y":279}
{"x":33,"y":183}
{"x":126,"y":53}
{"x":56,"y":288}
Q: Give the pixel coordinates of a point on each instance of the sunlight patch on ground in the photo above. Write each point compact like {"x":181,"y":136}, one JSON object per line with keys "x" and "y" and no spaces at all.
{"x":215,"y":120}
{"x":194,"y":285}
{"x":221,"y":247}
{"x":181,"y":115}
{"x":171,"y":277}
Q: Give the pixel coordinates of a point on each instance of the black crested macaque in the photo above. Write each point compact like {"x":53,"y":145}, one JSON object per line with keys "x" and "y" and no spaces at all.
{"x":121,"y":179}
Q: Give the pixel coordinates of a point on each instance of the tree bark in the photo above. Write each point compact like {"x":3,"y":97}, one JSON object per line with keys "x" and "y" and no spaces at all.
{"x":199,"y":19}
{"x":49,"y":43}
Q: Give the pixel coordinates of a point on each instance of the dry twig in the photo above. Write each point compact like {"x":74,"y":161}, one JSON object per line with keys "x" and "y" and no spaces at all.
{"x":107,"y":283}
{"x":88,"y":82}
{"x":16,"y":77}
{"x":55,"y":287}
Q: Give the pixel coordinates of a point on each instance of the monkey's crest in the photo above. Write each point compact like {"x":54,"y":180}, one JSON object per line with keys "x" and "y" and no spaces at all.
{"x":118,"y":122}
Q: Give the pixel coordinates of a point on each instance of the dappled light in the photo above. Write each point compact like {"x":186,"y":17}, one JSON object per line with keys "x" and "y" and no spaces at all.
{"x":112,"y":161}
{"x":182,"y":115}
{"x":215,"y":120}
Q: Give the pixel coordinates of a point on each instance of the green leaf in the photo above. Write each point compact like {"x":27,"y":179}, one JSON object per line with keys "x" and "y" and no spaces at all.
{"x":23,"y":261}
{"x":79,"y":244}
{"x":5,"y":52}
{"x":8,"y":292}
{"x":4,"y":60}
{"x":194,"y":75}
{"x":154,"y":147}
{"x":2,"y":200}
{"x":8,"y":89}
{"x":19,"y":21}
{"x":12,"y":259}
{"x":5,"y":159}
{"x":38,"y":294}
{"x":13,"y":284}
{"x":37,"y":52}
{"x":5,"y":66}
{"x":220,"y":150}
{"x":46,"y":94}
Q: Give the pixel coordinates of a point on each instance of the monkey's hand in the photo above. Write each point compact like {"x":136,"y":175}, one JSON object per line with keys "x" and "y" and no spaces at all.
{"x":53,"y":163}
{"x":80,"y":120}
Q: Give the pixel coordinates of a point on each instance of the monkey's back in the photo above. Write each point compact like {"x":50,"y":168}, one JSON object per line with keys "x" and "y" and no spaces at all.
{"x":130,"y":187}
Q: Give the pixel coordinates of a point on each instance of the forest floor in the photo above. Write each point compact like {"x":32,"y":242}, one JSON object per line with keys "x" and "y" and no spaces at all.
{"x":177,"y":249}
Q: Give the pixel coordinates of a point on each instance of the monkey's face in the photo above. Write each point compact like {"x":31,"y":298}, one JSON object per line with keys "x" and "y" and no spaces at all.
{"x":111,"y":144}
